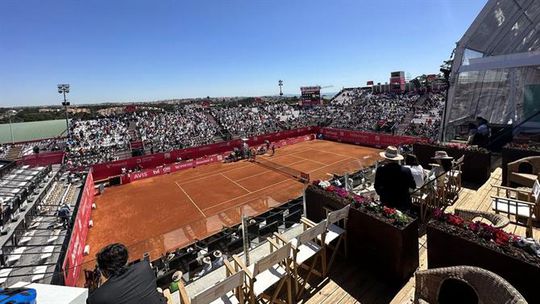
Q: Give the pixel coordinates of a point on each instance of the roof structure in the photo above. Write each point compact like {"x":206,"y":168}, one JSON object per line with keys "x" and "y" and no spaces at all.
{"x":496,"y":67}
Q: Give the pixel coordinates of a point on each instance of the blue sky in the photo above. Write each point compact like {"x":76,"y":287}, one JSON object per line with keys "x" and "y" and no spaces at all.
{"x":148,"y":50}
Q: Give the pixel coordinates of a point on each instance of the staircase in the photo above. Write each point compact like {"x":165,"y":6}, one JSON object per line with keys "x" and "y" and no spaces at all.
{"x":281,"y":124}
{"x":224,"y":133}
{"x":14,"y":152}
{"x":402,"y":127}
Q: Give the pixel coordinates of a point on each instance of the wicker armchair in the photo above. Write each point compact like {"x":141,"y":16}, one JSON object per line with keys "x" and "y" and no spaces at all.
{"x":497,"y":220}
{"x":488,"y":286}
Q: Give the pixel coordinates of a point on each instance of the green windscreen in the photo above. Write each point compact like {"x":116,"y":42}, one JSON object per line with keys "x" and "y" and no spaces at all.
{"x":531,"y":102}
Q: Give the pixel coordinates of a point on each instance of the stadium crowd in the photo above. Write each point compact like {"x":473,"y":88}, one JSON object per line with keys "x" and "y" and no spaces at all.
{"x":187,"y":126}
{"x":246,"y":121}
{"x":108,"y":138}
{"x":97,"y":140}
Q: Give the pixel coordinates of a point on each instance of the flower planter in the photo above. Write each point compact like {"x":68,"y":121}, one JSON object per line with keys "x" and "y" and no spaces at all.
{"x":319,"y":200}
{"x":476,"y":165}
{"x":386,"y":250}
{"x":446,"y":248}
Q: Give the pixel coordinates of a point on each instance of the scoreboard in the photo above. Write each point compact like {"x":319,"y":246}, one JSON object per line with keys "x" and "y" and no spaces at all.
{"x":310,"y":96}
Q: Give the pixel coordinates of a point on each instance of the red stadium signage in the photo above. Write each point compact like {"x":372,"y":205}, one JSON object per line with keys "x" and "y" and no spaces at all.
{"x":106,"y":170}
{"x":74,"y":254}
{"x":131,"y":177}
{"x":378,"y":140}
{"x":43,"y":159}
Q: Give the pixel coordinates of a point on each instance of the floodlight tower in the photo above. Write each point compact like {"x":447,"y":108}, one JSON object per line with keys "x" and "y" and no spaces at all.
{"x":280,"y":84}
{"x":63,"y":88}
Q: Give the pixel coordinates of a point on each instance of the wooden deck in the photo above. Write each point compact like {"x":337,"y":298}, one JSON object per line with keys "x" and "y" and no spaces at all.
{"x":347,"y":284}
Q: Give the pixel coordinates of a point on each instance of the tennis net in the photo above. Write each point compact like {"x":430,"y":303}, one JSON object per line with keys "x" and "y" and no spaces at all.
{"x":294,"y":173}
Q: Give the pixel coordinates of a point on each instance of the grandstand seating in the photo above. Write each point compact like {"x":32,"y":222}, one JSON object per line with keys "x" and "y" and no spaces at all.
{"x":35,"y":242}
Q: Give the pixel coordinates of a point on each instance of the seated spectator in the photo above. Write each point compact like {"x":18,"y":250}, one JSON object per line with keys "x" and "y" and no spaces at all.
{"x":135,"y":284}
{"x":443,"y":164}
{"x":392,"y":181}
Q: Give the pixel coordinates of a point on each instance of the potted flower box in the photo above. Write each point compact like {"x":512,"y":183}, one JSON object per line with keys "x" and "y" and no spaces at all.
{"x":382,"y":240}
{"x":453,"y":242}
{"x":476,"y":165}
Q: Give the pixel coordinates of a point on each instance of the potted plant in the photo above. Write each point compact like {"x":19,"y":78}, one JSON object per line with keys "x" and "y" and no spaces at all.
{"x":379,"y":238}
{"x":453,"y":241}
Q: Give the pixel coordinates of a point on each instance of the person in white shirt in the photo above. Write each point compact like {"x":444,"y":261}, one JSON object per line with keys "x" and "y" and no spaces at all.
{"x":417,"y":170}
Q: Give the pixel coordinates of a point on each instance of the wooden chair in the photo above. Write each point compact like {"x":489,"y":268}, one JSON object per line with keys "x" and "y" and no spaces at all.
{"x":335,"y":234}
{"x":227,"y":291}
{"x":511,"y":204}
{"x":454,"y":176}
{"x":306,"y":246}
{"x":426,"y":199}
{"x":271,"y":270}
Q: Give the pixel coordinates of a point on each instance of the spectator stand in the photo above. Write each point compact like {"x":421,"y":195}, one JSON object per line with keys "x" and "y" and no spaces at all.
{"x":33,"y":241}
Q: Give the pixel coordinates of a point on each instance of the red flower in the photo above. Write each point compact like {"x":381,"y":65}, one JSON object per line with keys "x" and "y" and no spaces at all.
{"x":501,"y":237}
{"x":437,"y":213}
{"x":358,"y":198}
{"x":389,"y":211}
{"x":473,"y":227}
{"x":331,"y":188}
{"x":455,"y":220}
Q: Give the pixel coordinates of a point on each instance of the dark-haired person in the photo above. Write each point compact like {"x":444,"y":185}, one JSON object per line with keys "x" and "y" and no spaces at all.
{"x":135,"y":284}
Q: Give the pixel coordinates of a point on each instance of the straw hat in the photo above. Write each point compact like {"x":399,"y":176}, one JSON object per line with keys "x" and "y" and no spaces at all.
{"x":441,"y":155}
{"x":391,"y":153}
{"x":177,"y":275}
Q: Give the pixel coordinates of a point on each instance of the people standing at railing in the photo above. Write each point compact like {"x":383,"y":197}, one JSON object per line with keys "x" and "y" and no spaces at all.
{"x":393,"y":181}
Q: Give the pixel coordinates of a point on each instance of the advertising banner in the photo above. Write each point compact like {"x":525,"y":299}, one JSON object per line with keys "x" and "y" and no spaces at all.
{"x":74,"y":254}
{"x":378,"y":140}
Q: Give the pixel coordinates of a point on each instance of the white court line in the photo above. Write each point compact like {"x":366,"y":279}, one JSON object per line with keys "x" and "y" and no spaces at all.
{"x":342,"y":160}
{"x":321,"y":152}
{"x":193,"y":202}
{"x":236,"y":183}
{"x":212,"y":174}
{"x":265,"y":172}
{"x":232,"y":199}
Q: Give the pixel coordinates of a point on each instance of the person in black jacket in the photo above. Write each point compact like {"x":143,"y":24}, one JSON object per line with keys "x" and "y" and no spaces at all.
{"x":135,"y":284}
{"x":393,"y":181}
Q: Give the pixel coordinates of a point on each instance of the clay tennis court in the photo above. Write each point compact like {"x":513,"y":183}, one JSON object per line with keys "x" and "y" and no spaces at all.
{"x":166,"y":212}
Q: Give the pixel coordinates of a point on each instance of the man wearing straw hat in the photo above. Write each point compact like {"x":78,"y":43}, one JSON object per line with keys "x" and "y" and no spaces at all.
{"x":393,"y":181}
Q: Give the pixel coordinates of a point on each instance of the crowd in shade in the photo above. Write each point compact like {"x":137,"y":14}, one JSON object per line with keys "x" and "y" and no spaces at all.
{"x":381,"y":112}
{"x":108,"y":138}
{"x":427,"y":117}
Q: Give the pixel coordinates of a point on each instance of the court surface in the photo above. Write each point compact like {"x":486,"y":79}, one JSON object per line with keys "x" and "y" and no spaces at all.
{"x":166,"y":212}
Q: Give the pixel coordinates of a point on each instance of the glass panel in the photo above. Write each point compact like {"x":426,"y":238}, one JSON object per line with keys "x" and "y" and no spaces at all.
{"x":470,"y":54}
